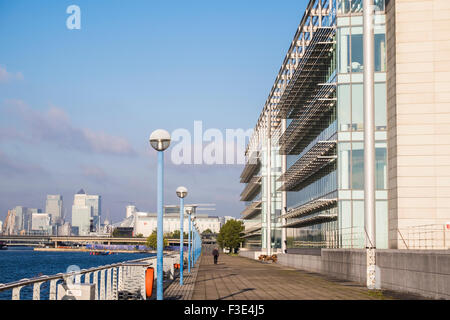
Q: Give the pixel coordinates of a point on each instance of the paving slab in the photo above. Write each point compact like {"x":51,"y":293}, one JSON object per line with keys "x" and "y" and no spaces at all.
{"x":239,"y":278}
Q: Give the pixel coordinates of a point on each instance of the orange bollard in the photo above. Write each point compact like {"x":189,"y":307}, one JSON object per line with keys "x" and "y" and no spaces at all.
{"x":149,"y":275}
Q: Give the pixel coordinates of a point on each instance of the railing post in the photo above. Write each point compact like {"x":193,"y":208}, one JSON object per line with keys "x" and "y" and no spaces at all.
{"x":87,"y":277}
{"x":37,"y":290}
{"x":16,"y":293}
{"x":102,"y":285}
{"x":108,"y":285}
{"x":52,"y":293}
{"x":96,"y":284}
{"x":114,"y":284}
{"x":120,"y":284}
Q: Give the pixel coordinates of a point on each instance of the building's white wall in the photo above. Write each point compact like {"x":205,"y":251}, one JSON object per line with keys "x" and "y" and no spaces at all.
{"x":418,"y":58}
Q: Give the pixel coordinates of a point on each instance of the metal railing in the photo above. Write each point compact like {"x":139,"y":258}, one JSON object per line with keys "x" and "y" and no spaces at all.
{"x":119,"y":281}
{"x":431,"y":236}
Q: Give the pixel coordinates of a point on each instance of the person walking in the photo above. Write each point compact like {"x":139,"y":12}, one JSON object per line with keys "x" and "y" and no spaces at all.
{"x":215,"y":253}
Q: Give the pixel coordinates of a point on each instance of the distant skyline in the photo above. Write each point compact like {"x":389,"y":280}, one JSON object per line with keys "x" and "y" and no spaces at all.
{"x":77,"y":106}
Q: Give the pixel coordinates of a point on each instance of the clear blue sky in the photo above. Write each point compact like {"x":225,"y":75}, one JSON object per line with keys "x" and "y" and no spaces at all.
{"x":77,"y":106}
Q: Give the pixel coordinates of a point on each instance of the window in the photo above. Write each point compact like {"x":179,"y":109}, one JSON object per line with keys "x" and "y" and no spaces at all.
{"x":357,"y":49}
{"x":380,"y":48}
{"x":358,"y":165}
{"x":344,"y":150}
{"x":380,"y":106}
{"x":381,"y":166}
{"x":344,"y":50}
{"x":344,"y":113}
{"x":357,"y":107}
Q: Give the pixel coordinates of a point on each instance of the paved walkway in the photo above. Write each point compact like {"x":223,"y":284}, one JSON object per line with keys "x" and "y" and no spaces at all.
{"x":238,"y":278}
{"x":176,"y":292}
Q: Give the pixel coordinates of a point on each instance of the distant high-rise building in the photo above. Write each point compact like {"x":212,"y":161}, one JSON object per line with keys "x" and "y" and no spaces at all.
{"x":131,"y":210}
{"x":54,"y":207}
{"x":10,"y":221}
{"x":20,"y":218}
{"x":41,"y":223}
{"x":86,"y":211}
{"x":1,"y":227}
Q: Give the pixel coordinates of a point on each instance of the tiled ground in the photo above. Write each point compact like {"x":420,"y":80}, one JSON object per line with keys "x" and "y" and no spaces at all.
{"x":244,"y":279}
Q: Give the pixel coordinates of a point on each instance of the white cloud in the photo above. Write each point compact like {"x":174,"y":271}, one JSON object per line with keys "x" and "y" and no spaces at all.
{"x":55,"y":126}
{"x":6,"y":76}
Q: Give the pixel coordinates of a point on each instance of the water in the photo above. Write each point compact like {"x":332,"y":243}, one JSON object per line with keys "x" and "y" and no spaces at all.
{"x":19,"y":263}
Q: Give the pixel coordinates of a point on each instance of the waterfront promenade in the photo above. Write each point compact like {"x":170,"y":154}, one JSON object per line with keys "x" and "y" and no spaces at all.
{"x":238,"y":278}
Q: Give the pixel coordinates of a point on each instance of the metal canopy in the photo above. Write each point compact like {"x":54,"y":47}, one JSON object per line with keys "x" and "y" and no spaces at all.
{"x":306,"y":117}
{"x":252,"y":230}
{"x":251,"y":167}
{"x":251,"y":189}
{"x":311,"y":162}
{"x":252,"y":210}
{"x":310,"y":71}
{"x":320,"y":218}
{"x":309,"y":207}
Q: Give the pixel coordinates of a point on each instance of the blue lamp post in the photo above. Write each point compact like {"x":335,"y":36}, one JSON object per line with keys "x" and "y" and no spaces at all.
{"x":189,"y":212}
{"x":181,"y":193}
{"x":160,"y":141}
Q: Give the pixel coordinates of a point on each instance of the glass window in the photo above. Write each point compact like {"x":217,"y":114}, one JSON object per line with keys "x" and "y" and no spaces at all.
{"x":380,"y":106}
{"x":381,"y":227}
{"x":357,"y":107}
{"x":357,"y":49}
{"x":358,"y":165}
{"x":358,"y":224}
{"x":344,"y":50}
{"x":344,"y":150}
{"x":344,"y":103}
{"x":381,"y":166}
{"x":380,"y":48}
{"x":357,"y":5}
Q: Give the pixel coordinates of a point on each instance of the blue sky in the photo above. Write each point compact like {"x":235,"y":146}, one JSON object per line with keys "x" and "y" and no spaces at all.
{"x":77,"y":106}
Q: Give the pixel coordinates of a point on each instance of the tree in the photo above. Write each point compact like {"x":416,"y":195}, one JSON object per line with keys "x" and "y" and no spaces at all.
{"x":152,"y":240}
{"x":229,"y":235}
{"x":139,"y":235}
{"x":176,"y":235}
{"x":207,"y":231}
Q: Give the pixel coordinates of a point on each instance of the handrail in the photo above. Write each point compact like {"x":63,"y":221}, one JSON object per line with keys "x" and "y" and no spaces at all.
{"x":63,"y":276}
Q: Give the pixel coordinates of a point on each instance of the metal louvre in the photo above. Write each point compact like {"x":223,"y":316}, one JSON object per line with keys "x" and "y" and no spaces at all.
{"x":252,"y":210}
{"x":309,"y":72}
{"x":320,"y":218}
{"x":251,"y":231}
{"x":251,"y":189}
{"x":251,"y":167}
{"x":307,"y":117}
{"x":309,"y":207}
{"x":311,"y":162}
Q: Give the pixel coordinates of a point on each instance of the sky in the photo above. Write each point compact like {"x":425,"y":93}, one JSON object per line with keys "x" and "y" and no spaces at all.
{"x":77,"y":106}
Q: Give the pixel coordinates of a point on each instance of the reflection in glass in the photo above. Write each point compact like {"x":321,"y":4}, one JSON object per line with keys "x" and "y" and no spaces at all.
{"x":344,"y":50}
{"x":357,"y":49}
{"x":344,"y":104}
{"x":357,"y":107}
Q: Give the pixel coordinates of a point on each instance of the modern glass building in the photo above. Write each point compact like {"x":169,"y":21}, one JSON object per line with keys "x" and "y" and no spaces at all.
{"x":313,"y":124}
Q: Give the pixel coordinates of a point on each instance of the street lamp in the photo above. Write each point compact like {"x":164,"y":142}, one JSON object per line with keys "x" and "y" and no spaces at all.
{"x":189,"y":212}
{"x":181,"y":193}
{"x":160,"y":141}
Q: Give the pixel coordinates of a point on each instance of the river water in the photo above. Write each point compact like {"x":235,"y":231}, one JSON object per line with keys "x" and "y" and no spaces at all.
{"x":19,"y":263}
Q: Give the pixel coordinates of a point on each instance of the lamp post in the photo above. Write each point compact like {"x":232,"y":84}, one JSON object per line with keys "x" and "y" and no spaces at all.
{"x":160,"y":141}
{"x":189,"y":212}
{"x":181,"y":193}
{"x":192,"y":251}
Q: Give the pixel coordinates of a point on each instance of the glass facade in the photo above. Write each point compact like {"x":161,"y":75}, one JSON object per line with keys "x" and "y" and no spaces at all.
{"x":325,"y":207}
{"x":347,"y":178}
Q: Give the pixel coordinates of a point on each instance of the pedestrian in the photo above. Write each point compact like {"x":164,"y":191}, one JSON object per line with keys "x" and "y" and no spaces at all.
{"x":215,"y":253}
